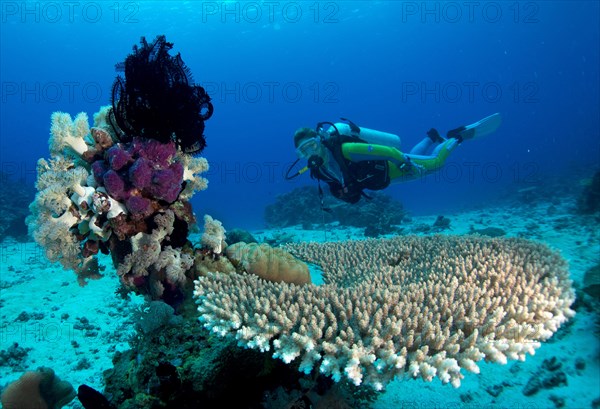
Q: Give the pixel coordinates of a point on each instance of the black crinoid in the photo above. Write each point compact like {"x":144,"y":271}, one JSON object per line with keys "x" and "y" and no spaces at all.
{"x":158,"y":100}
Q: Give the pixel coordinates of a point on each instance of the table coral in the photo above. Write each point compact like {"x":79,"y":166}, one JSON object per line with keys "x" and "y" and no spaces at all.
{"x":418,"y":307}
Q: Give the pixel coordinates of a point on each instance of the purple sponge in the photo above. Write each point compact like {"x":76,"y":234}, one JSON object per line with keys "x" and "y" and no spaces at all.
{"x":140,"y":173}
{"x":118,"y":157}
{"x":99,"y":168}
{"x":114,"y":184}
{"x":166,"y":185}
{"x":160,"y":154}
{"x":139,"y":205}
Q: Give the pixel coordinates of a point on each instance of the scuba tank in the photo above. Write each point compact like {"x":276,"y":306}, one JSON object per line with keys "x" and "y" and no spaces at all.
{"x":348,"y":128}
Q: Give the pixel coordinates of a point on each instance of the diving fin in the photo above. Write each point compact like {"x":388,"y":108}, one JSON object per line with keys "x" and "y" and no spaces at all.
{"x":480,"y":128}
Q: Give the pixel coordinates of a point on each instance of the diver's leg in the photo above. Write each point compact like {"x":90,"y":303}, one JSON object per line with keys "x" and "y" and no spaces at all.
{"x":438,"y":148}
{"x":422,"y":147}
{"x":357,"y":152}
{"x":435,"y":161}
{"x":400,"y":168}
{"x":433,"y":139}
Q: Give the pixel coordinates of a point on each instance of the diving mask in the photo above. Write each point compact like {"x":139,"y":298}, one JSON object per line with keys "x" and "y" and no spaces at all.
{"x":308,"y":148}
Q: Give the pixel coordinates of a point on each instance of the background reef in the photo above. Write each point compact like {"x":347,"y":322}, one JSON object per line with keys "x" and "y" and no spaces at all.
{"x":302,"y":206}
{"x":15,"y":197}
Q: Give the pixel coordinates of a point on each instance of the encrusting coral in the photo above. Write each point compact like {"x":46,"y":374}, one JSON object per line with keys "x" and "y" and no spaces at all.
{"x":264,"y":261}
{"x":420,"y":307}
{"x":270,"y":263}
{"x":129,"y":200}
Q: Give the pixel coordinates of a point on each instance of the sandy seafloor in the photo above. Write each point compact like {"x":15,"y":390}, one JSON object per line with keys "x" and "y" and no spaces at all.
{"x":76,"y":330}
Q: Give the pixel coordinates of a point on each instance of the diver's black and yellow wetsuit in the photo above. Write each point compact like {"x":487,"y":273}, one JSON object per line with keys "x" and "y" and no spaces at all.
{"x":402,"y":167}
{"x":353,"y":165}
{"x":351,"y":159}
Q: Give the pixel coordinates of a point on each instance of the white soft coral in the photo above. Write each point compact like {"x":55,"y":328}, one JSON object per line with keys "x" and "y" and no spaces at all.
{"x":175,"y":263}
{"x":214,"y":235}
{"x":69,"y":135}
{"x":192,"y":167}
{"x":55,"y":235}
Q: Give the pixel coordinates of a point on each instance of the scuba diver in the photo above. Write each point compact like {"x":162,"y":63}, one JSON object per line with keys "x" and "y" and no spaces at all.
{"x":351,"y":159}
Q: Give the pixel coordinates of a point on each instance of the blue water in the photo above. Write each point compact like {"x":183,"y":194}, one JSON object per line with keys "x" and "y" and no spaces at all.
{"x":271,"y":67}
